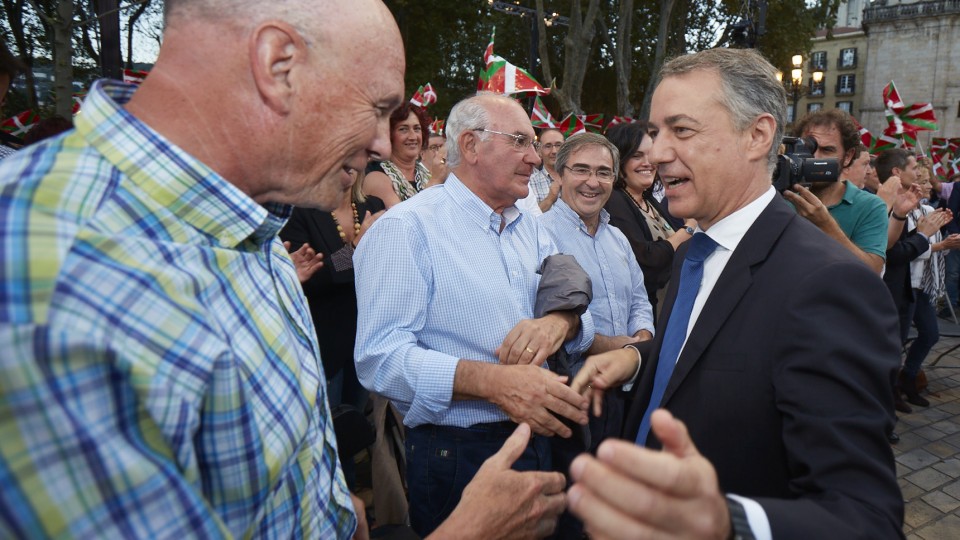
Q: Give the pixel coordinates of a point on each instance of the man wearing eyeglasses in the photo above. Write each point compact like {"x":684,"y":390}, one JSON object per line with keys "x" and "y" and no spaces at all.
{"x":543,"y":182}
{"x":621,"y":311}
{"x":435,"y":158}
{"x":452,"y":341}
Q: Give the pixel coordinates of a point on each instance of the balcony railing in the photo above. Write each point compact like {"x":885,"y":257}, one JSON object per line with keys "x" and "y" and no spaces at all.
{"x":910,"y":11}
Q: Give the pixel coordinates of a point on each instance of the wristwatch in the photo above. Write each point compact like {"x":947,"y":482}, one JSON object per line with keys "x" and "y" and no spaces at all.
{"x":689,"y":230}
{"x":739,"y":524}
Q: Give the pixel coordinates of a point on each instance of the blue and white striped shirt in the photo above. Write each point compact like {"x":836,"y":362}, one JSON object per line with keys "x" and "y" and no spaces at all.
{"x":159,"y":373}
{"x":437,"y":281}
{"x":620,"y":306}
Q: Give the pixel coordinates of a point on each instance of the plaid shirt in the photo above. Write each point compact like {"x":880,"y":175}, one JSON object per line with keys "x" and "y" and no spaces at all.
{"x":159,"y":373}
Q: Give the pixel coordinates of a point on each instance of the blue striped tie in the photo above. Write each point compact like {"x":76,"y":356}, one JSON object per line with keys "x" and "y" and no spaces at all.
{"x":691,"y":274}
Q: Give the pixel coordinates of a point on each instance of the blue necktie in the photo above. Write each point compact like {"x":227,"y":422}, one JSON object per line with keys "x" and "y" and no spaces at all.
{"x":691,"y":274}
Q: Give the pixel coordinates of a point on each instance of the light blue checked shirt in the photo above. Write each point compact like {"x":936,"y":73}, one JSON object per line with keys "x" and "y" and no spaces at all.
{"x":437,"y":282}
{"x":159,"y":373}
{"x":540,"y":183}
{"x":620,"y":306}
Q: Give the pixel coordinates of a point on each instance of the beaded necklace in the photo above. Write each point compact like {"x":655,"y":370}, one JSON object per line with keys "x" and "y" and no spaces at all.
{"x":342,"y":259}
{"x":356,"y":224}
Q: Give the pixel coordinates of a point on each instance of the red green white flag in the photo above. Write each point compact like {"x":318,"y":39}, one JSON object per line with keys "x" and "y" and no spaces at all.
{"x":436,"y":127}
{"x":892,"y":101}
{"x":571,"y":125}
{"x":621,"y":120}
{"x":20,"y":124}
{"x":424,"y":96}
{"x":134,"y":76}
{"x":500,"y":76}
{"x":540,"y":117}
{"x":593,"y":122}
{"x":920,"y":117}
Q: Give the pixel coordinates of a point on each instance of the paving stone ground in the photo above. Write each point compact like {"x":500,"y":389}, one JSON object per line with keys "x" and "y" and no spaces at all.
{"x":928,"y":454}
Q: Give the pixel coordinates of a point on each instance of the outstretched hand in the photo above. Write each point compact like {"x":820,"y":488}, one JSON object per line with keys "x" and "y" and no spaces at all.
{"x":305,"y":260}
{"x":502,"y":503}
{"x":628,"y":491}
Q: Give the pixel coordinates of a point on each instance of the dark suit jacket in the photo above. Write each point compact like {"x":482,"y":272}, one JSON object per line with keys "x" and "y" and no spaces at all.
{"x":655,"y":257}
{"x":896,"y":275}
{"x":785,"y":382}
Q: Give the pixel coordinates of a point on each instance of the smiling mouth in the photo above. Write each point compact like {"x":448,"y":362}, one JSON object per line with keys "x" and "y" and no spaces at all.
{"x":671,"y":182}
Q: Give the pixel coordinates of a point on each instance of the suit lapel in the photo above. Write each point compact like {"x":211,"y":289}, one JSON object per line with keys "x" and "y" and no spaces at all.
{"x":732,"y":285}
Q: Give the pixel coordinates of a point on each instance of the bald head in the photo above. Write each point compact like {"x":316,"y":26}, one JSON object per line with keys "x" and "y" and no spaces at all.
{"x":298,"y":99}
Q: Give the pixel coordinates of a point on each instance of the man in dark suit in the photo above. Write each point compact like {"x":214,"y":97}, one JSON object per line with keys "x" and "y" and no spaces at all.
{"x":774,"y":354}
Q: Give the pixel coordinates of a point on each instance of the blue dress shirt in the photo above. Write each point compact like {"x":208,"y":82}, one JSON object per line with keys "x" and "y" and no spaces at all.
{"x":620,"y":306}
{"x":438,"y":281}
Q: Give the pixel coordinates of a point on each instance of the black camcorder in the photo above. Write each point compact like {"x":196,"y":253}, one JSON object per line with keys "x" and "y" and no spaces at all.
{"x":796,"y":165}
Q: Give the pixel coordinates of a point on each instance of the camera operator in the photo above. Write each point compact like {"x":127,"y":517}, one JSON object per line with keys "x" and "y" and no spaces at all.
{"x":849,"y":215}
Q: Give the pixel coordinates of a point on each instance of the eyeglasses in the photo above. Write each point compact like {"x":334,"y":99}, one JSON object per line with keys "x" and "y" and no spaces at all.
{"x":520,"y":142}
{"x":604,"y":176}
{"x":551,"y":146}
{"x":435,"y":147}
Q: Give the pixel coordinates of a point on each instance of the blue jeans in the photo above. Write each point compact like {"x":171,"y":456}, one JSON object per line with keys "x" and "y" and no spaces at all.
{"x":928,"y":333}
{"x":952,"y":277}
{"x":442,"y":460}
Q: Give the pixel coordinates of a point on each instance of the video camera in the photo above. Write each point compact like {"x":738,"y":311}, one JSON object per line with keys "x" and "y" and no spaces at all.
{"x":796,"y":165}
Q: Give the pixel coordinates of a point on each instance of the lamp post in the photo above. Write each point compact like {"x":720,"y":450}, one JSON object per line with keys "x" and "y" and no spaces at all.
{"x":530,"y":14}
{"x":795,"y":85}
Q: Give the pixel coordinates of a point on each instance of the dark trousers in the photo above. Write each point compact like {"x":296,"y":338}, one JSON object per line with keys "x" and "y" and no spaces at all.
{"x":564,"y":451}
{"x":924,"y":316}
{"x":442,"y":460}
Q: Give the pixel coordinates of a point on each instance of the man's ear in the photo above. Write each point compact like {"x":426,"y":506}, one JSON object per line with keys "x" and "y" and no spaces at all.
{"x":760,"y":137}
{"x":468,"y":141}
{"x":848,"y":158}
{"x":275,"y":49}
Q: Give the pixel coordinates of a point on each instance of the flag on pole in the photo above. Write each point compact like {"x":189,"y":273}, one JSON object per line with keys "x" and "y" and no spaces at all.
{"x":500,"y":76}
{"x":436,"y":127}
{"x":134,"y":76}
{"x":571,"y":125}
{"x":920,"y":116}
{"x":20,"y":124}
{"x":892,"y":101}
{"x":906,"y":134}
{"x":592,"y":122}
{"x":540,"y":117}
{"x":884,"y":142}
{"x":424,"y":96}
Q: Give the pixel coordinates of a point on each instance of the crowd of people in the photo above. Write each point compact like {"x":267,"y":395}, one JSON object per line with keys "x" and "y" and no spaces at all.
{"x":618,"y":335}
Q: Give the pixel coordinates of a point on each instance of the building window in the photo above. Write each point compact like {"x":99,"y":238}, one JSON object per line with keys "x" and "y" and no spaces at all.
{"x":846,"y":84}
{"x":816,"y":89}
{"x":845,"y":106}
{"x":813,"y":107}
{"x":848,"y":58}
{"x":818,"y":60}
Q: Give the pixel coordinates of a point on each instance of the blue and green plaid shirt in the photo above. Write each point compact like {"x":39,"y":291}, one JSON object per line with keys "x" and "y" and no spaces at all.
{"x":159,"y":372}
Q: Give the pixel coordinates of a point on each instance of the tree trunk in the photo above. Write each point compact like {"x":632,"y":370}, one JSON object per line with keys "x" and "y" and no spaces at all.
{"x":63,"y":57}
{"x":577,"y":47}
{"x":666,"y":10}
{"x":131,"y":26}
{"x":622,"y":57}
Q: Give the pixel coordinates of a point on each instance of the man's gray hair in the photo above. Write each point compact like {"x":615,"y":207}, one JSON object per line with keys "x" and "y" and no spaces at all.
{"x":470,"y":114}
{"x":748,"y":87}
{"x":580,"y":140}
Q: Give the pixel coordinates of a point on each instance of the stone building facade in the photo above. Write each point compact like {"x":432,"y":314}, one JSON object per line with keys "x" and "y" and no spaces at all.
{"x":917,"y":45}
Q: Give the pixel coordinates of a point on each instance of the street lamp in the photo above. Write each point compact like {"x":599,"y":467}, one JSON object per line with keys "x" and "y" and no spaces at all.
{"x":549,"y":19}
{"x":795,"y":85}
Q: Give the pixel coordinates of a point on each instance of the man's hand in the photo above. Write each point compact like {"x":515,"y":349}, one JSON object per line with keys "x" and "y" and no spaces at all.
{"x":502,"y":503}
{"x":604,"y":371}
{"x":907,"y":199}
{"x":363,"y":530}
{"x":529,"y":394}
{"x":932,"y":222}
{"x":633,"y":492}
{"x":531,"y":341}
{"x":305,"y":260}
{"x":809,"y":206}
{"x":889,"y":190}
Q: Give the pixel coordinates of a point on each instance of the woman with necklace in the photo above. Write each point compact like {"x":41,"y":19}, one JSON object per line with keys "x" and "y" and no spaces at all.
{"x":403,"y":175}
{"x":653,"y":233}
{"x":330,"y":290}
